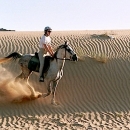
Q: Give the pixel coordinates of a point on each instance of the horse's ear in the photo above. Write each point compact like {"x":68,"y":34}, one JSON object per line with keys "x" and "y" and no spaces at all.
{"x":66,"y":43}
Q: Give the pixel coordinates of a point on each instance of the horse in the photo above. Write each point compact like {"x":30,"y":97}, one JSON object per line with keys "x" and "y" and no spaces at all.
{"x":53,"y":72}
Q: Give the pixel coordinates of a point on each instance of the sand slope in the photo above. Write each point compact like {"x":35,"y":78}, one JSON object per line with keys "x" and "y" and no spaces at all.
{"x":92,"y":94}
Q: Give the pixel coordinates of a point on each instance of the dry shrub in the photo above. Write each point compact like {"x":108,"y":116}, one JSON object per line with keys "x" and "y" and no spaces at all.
{"x":101,"y":57}
{"x":80,"y":53}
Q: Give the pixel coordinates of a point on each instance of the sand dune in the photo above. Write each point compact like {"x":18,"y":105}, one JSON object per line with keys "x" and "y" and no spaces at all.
{"x":93,"y":93}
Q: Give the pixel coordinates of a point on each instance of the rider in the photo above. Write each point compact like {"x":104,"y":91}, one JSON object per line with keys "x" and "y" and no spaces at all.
{"x":45,"y":46}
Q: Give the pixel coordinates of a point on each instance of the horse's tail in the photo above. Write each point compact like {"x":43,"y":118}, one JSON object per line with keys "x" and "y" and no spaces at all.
{"x":14,"y":56}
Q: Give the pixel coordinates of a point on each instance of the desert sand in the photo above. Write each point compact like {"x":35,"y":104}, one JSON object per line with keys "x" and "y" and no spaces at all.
{"x":94,"y":93}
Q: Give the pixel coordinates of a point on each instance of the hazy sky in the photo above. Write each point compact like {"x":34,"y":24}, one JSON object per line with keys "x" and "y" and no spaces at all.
{"x":34,"y":15}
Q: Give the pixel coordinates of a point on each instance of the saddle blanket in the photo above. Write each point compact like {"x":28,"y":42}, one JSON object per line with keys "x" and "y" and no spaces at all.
{"x":34,"y":64}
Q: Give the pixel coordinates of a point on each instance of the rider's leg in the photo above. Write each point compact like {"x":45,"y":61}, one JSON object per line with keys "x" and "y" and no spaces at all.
{"x":41,"y":58}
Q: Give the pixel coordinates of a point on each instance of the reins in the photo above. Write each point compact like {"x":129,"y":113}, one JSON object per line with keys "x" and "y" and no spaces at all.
{"x":62,"y":58}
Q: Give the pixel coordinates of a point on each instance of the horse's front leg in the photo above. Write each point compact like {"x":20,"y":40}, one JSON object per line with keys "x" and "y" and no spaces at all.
{"x":55,"y":83}
{"x":48,"y":89}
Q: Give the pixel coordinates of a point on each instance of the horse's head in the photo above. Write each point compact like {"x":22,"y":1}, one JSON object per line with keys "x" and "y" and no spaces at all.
{"x":69,"y":52}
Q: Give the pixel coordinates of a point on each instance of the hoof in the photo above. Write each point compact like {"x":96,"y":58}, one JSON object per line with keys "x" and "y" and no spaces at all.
{"x":45,"y":95}
{"x":55,"y":103}
{"x":37,"y":95}
{"x":40,"y":95}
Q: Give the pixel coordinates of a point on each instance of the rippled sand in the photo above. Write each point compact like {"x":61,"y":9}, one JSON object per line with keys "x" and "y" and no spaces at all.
{"x":94,"y":92}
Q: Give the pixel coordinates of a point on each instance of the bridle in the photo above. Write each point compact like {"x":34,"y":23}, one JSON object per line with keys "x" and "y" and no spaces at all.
{"x":65,"y":53}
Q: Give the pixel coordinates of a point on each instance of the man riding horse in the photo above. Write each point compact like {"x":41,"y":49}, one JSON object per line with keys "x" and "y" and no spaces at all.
{"x":53,"y":73}
{"x":44,"y":47}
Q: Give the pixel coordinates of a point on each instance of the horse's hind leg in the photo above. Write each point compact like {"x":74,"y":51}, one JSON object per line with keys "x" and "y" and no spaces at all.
{"x":19,"y":77}
{"x":26,"y":73}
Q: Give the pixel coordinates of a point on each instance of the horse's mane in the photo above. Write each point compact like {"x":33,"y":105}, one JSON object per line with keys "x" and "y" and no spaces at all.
{"x":59,"y":47}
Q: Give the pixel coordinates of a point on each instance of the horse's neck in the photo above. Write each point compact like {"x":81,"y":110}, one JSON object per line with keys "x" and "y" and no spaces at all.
{"x":61,"y":60}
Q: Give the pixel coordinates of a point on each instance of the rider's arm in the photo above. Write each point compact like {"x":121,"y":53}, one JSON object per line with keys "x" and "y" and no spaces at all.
{"x":51,"y":50}
{"x":48,"y":49}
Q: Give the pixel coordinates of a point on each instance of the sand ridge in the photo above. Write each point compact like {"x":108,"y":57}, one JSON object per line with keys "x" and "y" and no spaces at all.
{"x":93,"y":93}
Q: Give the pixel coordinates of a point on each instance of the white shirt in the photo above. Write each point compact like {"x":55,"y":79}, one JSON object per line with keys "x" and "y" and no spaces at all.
{"x":44,"y":40}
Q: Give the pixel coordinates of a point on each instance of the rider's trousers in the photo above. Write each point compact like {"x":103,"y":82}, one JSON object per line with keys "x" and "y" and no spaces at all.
{"x":41,"y":58}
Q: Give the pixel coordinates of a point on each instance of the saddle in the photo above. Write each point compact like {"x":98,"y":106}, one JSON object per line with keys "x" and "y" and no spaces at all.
{"x":34,"y":63}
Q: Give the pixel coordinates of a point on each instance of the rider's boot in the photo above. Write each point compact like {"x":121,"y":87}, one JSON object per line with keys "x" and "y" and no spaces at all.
{"x":41,"y":79}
